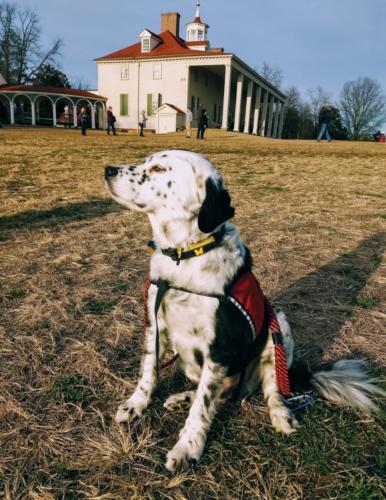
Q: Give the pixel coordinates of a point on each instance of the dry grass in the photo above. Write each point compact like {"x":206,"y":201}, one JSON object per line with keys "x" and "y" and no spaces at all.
{"x":72,"y":270}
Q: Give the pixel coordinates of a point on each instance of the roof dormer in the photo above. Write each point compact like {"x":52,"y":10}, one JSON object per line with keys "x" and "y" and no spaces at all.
{"x":197,"y":31}
{"x":148,"y":40}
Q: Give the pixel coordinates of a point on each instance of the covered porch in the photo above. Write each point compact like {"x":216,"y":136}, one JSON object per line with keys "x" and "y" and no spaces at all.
{"x":236,"y":98}
{"x":50,"y":106}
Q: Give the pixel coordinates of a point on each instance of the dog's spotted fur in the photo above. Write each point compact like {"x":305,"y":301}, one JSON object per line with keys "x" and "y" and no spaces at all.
{"x":185,"y":199}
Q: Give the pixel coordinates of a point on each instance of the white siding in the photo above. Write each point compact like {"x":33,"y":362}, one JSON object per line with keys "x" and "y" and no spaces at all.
{"x":172,"y":87}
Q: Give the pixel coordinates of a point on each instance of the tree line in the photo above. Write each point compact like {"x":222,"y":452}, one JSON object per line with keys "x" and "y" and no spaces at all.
{"x":358,"y":114}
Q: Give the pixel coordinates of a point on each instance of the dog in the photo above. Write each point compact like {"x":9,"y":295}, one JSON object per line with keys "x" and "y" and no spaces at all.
{"x":189,"y":209}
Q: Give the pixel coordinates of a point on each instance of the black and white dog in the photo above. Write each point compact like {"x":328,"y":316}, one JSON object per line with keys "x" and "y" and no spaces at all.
{"x":185,"y":200}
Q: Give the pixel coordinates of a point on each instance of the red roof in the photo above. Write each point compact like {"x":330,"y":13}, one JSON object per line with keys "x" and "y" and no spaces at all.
{"x":192,"y":44}
{"x":197,"y":20}
{"x":50,"y":90}
{"x":172,"y":106}
{"x":170,"y":45}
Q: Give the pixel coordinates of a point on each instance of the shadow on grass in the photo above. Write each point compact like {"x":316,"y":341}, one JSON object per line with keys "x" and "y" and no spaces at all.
{"x":319,"y":304}
{"x":38,"y":219}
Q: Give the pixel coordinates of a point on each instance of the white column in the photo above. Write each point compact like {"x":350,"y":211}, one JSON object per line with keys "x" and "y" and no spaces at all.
{"x":281,"y":120}
{"x":257,"y":110}
{"x":276,"y":121}
{"x":248,"y":107}
{"x":33,"y":114}
{"x":239,"y":95}
{"x":54,"y":120}
{"x":11,"y":113}
{"x":92,"y":116}
{"x":105,"y":115}
{"x":264,"y":114}
{"x":227,"y":93}
{"x":75,"y":116}
{"x":270,"y":116}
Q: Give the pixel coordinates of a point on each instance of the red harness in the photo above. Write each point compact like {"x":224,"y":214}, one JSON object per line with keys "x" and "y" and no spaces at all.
{"x":248,"y":297}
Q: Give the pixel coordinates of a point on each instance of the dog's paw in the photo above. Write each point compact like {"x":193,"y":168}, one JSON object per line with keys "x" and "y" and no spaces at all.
{"x":176,"y":399}
{"x":284,"y":420}
{"x":131,"y":409}
{"x":183,"y":454}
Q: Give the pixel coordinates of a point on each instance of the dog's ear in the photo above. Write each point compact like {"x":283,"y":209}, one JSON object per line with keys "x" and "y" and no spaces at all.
{"x":216,"y":208}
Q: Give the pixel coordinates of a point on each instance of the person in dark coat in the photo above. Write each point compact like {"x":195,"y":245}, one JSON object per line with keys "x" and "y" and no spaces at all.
{"x":142,"y":123}
{"x":325,"y":117}
{"x":111,"y":121}
{"x":198,"y":118}
{"x":83,"y":119}
{"x":202,"y":124}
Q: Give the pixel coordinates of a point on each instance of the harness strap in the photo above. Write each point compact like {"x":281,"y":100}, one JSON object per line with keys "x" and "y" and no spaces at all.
{"x":281,"y":368}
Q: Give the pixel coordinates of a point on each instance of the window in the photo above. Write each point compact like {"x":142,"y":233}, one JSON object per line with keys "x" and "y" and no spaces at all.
{"x":200,"y":34}
{"x":125,"y":72}
{"x":124,"y":105}
{"x":149,"y":102}
{"x":157,"y":72}
{"x":153,"y":101}
{"x":146,"y":44}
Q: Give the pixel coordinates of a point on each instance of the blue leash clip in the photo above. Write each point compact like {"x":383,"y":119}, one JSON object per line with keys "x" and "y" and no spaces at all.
{"x":300,"y":401}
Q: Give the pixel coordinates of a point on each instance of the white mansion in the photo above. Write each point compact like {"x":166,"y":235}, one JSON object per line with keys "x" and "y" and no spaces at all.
{"x":166,"y":70}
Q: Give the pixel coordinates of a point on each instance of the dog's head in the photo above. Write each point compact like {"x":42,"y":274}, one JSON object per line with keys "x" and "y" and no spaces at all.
{"x":173,"y":186}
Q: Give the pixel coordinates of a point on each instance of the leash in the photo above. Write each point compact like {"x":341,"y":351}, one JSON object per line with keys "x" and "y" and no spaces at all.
{"x":281,"y":367}
{"x":163,"y":287}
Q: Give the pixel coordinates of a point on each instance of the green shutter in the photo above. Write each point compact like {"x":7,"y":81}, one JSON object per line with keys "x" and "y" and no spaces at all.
{"x":149,"y":105}
{"x":124,"y":104}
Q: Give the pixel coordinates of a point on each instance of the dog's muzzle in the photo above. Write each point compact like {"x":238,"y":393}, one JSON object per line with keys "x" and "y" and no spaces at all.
{"x":111,"y":172}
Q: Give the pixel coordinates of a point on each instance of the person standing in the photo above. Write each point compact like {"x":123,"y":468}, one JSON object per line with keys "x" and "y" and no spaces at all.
{"x":83,"y":119}
{"x":325,"y":117}
{"x":142,"y":123}
{"x":111,"y":121}
{"x":198,"y":118}
{"x":202,"y":124}
{"x":67,"y":117}
{"x":188,"y":123}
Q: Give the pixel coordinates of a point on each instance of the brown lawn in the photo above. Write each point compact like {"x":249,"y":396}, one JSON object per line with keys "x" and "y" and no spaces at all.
{"x":72,"y":270}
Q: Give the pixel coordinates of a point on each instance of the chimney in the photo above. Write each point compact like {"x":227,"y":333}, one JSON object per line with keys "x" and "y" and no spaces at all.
{"x":171,"y":22}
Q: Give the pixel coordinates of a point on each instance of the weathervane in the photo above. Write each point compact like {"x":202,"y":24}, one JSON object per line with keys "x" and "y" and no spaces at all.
{"x":198,"y":4}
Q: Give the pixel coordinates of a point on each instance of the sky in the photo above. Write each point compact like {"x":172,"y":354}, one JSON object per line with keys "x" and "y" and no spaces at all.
{"x":314,"y":42}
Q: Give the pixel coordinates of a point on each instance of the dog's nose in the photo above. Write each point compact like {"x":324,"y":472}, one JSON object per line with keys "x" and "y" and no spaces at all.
{"x":110,"y":172}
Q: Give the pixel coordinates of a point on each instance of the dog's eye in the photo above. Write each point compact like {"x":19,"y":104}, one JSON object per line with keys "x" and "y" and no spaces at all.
{"x":157,"y":169}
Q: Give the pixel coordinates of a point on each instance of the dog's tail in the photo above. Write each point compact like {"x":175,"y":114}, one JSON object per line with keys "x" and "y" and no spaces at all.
{"x":347,"y":383}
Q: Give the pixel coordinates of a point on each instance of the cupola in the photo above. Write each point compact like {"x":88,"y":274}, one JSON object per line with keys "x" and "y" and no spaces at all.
{"x":197,"y":31}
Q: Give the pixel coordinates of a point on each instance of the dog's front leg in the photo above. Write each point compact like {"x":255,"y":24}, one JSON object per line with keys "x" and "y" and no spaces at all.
{"x":141,"y":397}
{"x":193,"y":436}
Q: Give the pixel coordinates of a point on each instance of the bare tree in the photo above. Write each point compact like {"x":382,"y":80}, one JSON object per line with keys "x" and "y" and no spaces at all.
{"x":21,"y":53}
{"x":293,"y":97}
{"x":7,"y":36}
{"x":273,"y":74}
{"x":363,"y":107}
{"x":318,"y":97}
